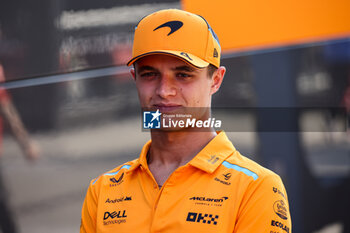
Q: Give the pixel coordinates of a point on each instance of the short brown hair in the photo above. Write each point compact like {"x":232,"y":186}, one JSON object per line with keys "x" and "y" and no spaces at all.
{"x":211,"y":70}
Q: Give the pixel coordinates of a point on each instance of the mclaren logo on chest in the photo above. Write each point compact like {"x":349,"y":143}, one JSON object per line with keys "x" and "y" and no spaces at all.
{"x":207,"y":199}
{"x":173,"y":25}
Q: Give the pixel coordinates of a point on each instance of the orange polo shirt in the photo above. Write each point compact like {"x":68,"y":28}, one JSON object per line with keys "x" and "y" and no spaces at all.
{"x":219,"y":190}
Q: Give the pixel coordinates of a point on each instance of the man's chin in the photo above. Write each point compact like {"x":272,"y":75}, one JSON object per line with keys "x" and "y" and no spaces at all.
{"x":170,"y":129}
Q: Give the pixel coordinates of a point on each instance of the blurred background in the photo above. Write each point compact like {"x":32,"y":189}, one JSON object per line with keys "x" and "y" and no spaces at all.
{"x":69,"y":109}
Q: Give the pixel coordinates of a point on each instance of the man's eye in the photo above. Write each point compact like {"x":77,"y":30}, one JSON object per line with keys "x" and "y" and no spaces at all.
{"x":183,"y":75}
{"x":148,"y":74}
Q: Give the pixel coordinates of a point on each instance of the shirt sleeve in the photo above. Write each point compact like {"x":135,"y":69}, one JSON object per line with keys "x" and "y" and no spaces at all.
{"x":89,"y":212}
{"x":264,"y":208}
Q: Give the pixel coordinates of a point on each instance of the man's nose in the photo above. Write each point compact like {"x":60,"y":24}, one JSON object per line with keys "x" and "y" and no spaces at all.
{"x":166,"y":87}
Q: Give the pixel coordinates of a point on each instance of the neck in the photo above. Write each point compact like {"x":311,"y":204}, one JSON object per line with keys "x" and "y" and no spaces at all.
{"x":178,"y":147}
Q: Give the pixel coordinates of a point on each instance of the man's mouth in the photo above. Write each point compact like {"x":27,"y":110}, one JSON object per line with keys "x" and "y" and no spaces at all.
{"x":167,"y":107}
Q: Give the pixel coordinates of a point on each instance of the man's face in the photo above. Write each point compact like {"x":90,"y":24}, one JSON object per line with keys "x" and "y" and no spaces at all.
{"x":167,"y":83}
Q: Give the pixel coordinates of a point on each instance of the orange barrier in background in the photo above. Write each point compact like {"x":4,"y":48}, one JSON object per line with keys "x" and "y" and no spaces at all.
{"x":253,"y":24}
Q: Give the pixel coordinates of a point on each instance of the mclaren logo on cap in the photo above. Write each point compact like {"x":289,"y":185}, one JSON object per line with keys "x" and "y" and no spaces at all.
{"x":185,"y":55}
{"x":173,"y":25}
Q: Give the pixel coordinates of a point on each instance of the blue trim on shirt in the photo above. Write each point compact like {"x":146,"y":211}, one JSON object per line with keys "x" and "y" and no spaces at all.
{"x":114,"y":173}
{"x":240,"y":169}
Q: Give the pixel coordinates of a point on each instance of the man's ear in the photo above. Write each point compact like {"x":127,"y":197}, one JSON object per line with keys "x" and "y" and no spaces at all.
{"x":132,"y":72}
{"x":217,"y":79}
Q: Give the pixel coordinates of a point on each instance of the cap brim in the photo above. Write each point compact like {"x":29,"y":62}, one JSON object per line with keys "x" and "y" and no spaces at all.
{"x":187,"y":57}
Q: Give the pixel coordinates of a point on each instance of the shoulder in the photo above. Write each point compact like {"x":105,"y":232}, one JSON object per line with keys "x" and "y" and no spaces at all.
{"x":247,"y":166}
{"x":112,"y":174}
{"x":249,"y":175}
{"x":255,"y":179}
{"x":262,"y":195}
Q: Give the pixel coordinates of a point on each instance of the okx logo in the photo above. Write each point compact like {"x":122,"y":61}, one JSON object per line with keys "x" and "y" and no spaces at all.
{"x":151,"y":119}
{"x":202,"y":218}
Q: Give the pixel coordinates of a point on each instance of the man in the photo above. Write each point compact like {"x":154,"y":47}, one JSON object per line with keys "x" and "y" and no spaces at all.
{"x":186,"y":179}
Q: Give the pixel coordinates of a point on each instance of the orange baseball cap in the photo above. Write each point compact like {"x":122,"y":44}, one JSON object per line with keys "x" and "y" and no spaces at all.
{"x":177,"y":33}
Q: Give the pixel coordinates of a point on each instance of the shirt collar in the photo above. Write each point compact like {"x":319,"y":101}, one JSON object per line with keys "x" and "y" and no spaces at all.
{"x":214,"y":153}
{"x":142,"y":160}
{"x":208,"y":159}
